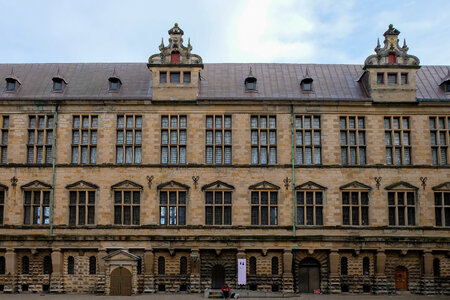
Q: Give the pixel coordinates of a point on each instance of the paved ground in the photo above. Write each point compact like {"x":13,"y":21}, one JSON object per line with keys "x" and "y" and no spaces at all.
{"x":199,"y":297}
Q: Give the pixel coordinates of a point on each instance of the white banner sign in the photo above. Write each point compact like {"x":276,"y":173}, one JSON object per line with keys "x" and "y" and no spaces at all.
{"x":242,"y":271}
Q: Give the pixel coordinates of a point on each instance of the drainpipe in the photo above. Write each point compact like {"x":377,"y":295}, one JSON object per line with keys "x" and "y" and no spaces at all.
{"x":52,"y":200}
{"x":293,"y":170}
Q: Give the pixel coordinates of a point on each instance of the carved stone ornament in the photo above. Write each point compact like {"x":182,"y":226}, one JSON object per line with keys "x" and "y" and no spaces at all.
{"x":287,"y":182}
{"x":14,"y":181}
{"x":149,"y":181}
{"x":175,"y":45}
{"x":378,"y":181}
{"x":195,"y":179}
{"x":424,"y":182}
{"x":391,"y":47}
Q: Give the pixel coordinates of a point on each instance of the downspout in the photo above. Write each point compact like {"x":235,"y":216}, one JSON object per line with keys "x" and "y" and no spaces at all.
{"x":293,"y":170}
{"x":52,"y":199}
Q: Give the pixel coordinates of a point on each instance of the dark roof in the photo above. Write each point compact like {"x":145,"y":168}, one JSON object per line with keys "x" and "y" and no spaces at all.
{"x":89,"y":81}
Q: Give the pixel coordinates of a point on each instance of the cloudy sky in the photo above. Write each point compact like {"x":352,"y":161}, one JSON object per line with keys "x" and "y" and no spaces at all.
{"x":287,"y":31}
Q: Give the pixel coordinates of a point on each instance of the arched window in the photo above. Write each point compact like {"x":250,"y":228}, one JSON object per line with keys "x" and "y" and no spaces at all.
{"x":47,"y":265}
{"x":25,"y":265}
{"x":175,"y":57}
{"x":436,"y":267}
{"x":252,"y":265}
{"x":274,"y":265}
{"x":161,"y":265}
{"x":2,"y":265}
{"x":183,"y":265}
{"x":139,"y":266}
{"x":344,"y":266}
{"x":70,"y":265}
{"x":366,"y":266}
{"x":92,"y":265}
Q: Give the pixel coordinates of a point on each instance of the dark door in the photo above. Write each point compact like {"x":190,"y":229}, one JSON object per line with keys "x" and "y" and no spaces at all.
{"x":121,"y":282}
{"x":218,"y":276}
{"x":309,"y":275}
{"x":401,"y":279}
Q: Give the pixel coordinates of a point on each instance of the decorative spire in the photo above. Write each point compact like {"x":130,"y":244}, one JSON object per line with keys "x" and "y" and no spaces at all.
{"x":250,"y":73}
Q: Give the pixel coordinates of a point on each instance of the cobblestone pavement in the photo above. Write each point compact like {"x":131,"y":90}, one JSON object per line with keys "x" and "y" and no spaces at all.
{"x":200,"y":296}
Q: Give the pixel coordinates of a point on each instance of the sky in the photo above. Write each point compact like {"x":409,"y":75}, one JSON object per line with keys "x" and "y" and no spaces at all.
{"x":221,"y":31}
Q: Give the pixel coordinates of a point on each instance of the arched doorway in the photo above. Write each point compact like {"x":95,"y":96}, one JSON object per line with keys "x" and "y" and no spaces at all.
{"x":401,"y":278}
{"x":121,"y":282}
{"x":218,"y":276}
{"x":309,"y":275}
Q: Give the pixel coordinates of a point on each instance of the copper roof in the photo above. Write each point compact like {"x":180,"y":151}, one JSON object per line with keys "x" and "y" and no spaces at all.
{"x":89,"y":81}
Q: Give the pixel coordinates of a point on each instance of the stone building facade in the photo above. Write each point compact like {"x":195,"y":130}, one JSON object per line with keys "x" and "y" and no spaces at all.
{"x":132,"y":178}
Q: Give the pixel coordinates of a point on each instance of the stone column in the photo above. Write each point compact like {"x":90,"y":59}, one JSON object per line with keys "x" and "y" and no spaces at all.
{"x":56,"y":282}
{"x":10,"y":284}
{"x":288,"y":278}
{"x":380,"y":276}
{"x":195,"y":271}
{"x":149,"y":283}
{"x":334,"y":280}
{"x":101,"y":276}
{"x":428,"y":278}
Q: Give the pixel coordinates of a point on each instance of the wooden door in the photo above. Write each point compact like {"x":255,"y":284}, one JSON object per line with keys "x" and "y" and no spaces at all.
{"x":309,"y":276}
{"x":218,"y":276}
{"x":121,"y":282}
{"x":401,"y":279}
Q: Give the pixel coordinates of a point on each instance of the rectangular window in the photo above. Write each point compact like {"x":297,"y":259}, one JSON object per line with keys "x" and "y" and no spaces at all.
{"x":175,"y":77}
{"x":439,"y":135}
{"x":380,"y":78}
{"x":218,"y":208}
{"x":309,"y":207}
{"x":404,"y":78}
{"x":37,"y":207}
{"x":353,"y":140}
{"x":4,"y":134}
{"x":264,"y":207}
{"x":40,"y":139}
{"x":442,"y":208}
{"x":81,"y":207}
{"x":127,"y":207}
{"x":355,"y":208}
{"x":162,"y":77}
{"x":218,"y":139}
{"x":2,"y":205}
{"x":263,"y":139}
{"x":398,"y":140}
{"x":308,"y":140}
{"x":392,"y":78}
{"x":129,"y":139}
{"x":187,"y":77}
{"x":84,"y":139}
{"x":172,"y":207}
{"x":402,"y":208}
{"x":173,"y":139}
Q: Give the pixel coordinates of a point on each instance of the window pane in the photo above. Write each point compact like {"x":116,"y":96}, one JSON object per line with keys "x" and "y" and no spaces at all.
{"x":299,"y":138}
{"x":309,"y":215}
{"x":172,"y":215}
{"x":209,"y":137}
{"x":173,"y":155}
{"x":273,"y":155}
{"x":127,"y":215}
{"x":218,"y":215}
{"x":263,"y":122}
{"x":343,"y":138}
{"x":129,"y":155}
{"x":254,"y":155}
{"x":218,"y":137}
{"x":209,"y":215}
{"x":137,"y":155}
{"x":299,"y":156}
{"x":164,"y":122}
{"x":263,"y":137}
{"x":138,"y":137}
{"x":218,"y":155}
{"x":173,"y":137}
{"x":273,"y":215}
{"x":119,"y":157}
{"x":164,"y":155}
{"x":209,"y":122}
{"x":264,"y":215}
{"x":182,"y":155}
{"x":136,"y":215}
{"x":319,"y":217}
{"x":317,"y":156}
{"x":346,"y":215}
{"x":344,"y":155}
{"x":138,"y":122}
{"x":218,"y":122}
{"x":255,"y":215}
{"x":209,"y":155}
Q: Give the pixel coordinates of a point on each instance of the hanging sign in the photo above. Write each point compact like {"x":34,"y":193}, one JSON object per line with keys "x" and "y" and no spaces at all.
{"x":242,"y":271}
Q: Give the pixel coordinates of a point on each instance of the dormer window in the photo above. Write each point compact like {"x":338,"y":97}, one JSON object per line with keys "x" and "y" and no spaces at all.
{"x":175,"y":77}
{"x":392,"y":78}
{"x":380,"y":78}
{"x":447,"y":87}
{"x":307,"y":86}
{"x":250,"y":84}
{"x":11,"y":85}
{"x":404,"y":78}
{"x":114,"y":84}
{"x":163,"y":77}
{"x":57,"y":84}
{"x":187,"y":77}
{"x":175,"y":57}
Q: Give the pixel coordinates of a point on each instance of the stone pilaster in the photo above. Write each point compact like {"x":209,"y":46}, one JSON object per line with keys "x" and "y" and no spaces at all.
{"x":334,"y":281}
{"x":101,"y":277}
{"x":195,"y":272}
{"x":380,"y":286}
{"x":56,"y":280}
{"x":10,"y":285}
{"x":288,"y":278}
{"x":149,"y":282}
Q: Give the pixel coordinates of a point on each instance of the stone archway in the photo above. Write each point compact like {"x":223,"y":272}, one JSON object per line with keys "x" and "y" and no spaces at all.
{"x":309,"y":275}
{"x":121,"y":279}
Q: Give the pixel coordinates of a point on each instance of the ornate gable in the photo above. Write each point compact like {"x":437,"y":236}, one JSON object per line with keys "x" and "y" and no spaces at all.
{"x":121,"y":255}
{"x":264,"y":185}
{"x":172,"y":185}
{"x":218,"y":185}
{"x":310,"y":186}
{"x":36,"y":184}
{"x":401,"y":185}
{"x":82,"y":185}
{"x":442,"y":187}
{"x":127,"y":184}
{"x":355,"y":185}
